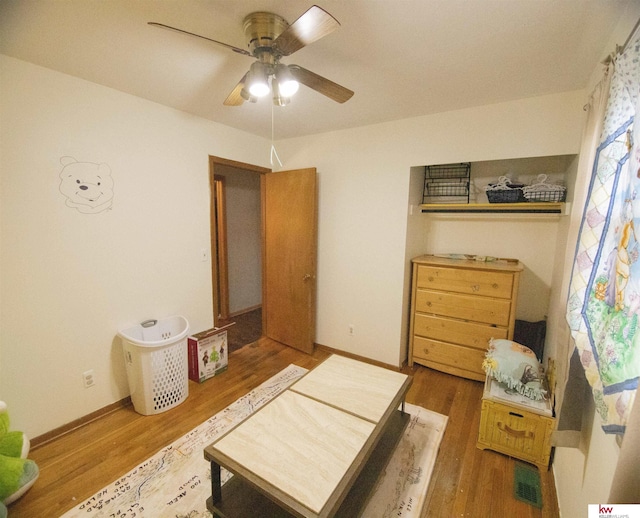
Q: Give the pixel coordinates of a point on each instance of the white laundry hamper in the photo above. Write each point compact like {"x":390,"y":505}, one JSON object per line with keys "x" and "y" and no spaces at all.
{"x":155,"y":353}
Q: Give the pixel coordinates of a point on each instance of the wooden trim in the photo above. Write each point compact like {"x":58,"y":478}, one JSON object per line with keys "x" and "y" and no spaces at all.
{"x":263,"y":251}
{"x":79,"y":423}
{"x":213,"y":243}
{"x":219,"y":161}
{"x":239,"y":165}
{"x":219,"y":192}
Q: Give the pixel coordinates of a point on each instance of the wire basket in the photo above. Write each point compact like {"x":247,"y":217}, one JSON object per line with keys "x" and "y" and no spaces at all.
{"x":448,"y":170}
{"x":447,"y":189}
{"x":446,"y":183}
{"x":504,"y":191}
{"x":544,"y":192}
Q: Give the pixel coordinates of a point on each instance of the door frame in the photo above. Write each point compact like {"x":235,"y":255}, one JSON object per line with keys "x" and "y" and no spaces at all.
{"x":216,"y":284}
{"x":221,"y":257}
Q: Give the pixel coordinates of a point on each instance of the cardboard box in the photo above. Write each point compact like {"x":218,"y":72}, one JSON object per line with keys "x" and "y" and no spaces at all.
{"x":208,"y":353}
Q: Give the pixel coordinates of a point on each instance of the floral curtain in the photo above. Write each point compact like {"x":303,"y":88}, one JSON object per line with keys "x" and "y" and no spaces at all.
{"x":604,"y":296}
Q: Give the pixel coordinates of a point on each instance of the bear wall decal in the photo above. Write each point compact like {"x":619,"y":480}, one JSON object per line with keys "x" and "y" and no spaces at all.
{"x":88,"y":187}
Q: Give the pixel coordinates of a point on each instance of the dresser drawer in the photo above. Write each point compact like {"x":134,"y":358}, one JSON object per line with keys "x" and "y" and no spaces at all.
{"x":515,"y":432}
{"x":465,"y":307}
{"x":474,"y":282}
{"x":456,"y":331}
{"x":457,"y":356}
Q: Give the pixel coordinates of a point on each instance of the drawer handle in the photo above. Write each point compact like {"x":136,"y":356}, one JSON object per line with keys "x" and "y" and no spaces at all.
{"x":516,"y":433}
{"x":495,"y":285}
{"x":475,"y":287}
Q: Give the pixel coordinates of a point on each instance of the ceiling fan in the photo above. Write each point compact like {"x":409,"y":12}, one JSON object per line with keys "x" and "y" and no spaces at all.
{"x":270,"y":38}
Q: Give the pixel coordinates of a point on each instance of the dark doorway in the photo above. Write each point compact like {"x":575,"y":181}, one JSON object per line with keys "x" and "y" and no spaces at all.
{"x":247,"y":329}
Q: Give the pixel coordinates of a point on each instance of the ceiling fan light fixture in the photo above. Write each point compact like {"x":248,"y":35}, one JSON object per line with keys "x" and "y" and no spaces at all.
{"x":287,"y":85}
{"x":270,"y":38}
{"x":278,"y":98}
{"x":244,"y":93}
{"x":288,"y":88}
{"x":259,"y":89}
{"x":258,"y":80}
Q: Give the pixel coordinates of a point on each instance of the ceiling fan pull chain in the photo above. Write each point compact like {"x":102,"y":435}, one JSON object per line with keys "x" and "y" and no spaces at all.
{"x":274,"y":153}
{"x":273,"y":148}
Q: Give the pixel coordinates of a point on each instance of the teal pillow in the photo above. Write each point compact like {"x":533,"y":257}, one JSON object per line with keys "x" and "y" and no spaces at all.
{"x":516,"y":366}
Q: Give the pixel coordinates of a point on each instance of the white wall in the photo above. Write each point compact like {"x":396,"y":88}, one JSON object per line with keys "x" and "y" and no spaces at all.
{"x":364,"y":181}
{"x":584,"y":475}
{"x":70,"y":281}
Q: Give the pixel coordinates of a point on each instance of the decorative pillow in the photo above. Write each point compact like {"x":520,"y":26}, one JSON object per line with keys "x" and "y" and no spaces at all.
{"x":516,"y":366}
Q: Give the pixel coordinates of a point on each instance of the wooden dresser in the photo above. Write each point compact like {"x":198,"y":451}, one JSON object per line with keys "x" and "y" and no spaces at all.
{"x":457,"y":306}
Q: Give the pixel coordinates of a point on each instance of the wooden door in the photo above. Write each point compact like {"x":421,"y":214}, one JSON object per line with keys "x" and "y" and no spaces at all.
{"x":289,"y":222}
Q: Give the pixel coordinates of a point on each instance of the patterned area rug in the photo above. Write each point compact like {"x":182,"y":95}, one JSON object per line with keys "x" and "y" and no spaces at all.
{"x":176,"y":481}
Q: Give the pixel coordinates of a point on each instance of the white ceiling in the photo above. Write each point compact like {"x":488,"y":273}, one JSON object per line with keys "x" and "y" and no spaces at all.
{"x":403,"y":58}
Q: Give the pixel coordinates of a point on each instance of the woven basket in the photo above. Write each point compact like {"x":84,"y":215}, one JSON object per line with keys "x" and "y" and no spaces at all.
{"x":544,"y":192}
{"x":504,"y":191}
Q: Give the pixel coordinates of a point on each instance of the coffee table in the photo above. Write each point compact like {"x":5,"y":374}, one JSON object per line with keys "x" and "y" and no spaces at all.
{"x":304,"y":453}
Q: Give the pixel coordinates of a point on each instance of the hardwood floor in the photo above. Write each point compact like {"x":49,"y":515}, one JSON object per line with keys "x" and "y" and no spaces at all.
{"x":466,"y":481}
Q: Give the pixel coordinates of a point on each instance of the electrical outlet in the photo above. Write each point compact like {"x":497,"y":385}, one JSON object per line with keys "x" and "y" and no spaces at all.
{"x":88,"y":379}
{"x":352,"y":330}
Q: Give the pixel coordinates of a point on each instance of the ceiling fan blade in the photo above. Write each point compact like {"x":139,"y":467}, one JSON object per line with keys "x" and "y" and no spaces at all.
{"x":234,"y":98}
{"x":311,"y":26}
{"x":320,"y":84}
{"x":231,"y":47}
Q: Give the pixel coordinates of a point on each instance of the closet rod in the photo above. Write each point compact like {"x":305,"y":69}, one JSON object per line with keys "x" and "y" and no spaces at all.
{"x":631,"y":34}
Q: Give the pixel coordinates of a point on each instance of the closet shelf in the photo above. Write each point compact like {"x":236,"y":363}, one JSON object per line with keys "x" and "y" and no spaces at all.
{"x":521,"y":208}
